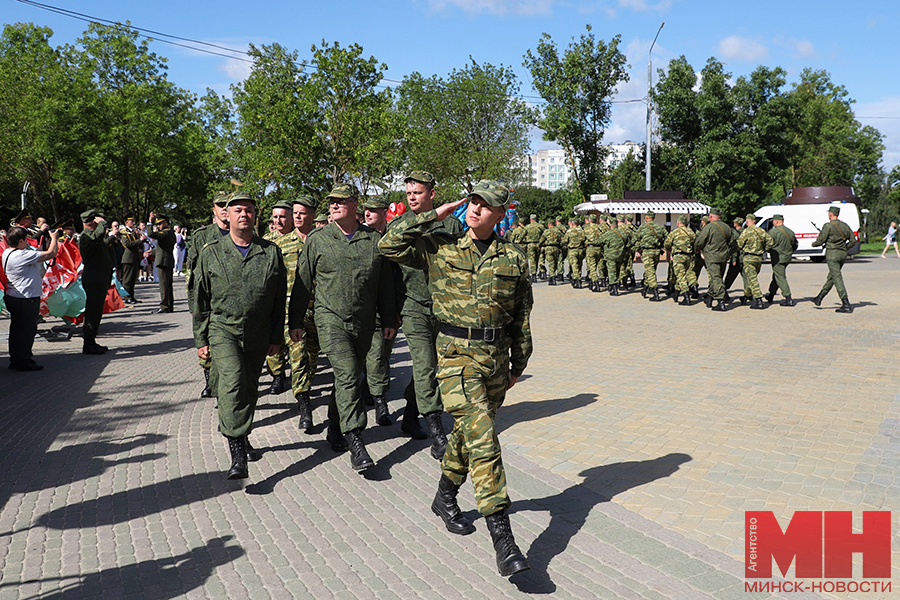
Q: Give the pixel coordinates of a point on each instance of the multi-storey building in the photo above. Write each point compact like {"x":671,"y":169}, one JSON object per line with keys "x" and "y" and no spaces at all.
{"x":551,"y":169}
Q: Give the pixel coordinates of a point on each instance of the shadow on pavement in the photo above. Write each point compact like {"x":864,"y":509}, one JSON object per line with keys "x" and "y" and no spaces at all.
{"x":522,"y":412}
{"x":156,"y":579}
{"x":322,"y":454}
{"x":570,"y":508}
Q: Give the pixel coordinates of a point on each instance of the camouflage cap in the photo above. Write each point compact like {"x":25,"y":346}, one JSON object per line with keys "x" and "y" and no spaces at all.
{"x":592,"y":217}
{"x":286,"y":205}
{"x":559,"y":219}
{"x":551,"y":222}
{"x":715,"y":211}
{"x":751,"y":217}
{"x":305,"y":200}
{"x":239,"y":197}
{"x":684,"y":219}
{"x":533,"y":217}
{"x":835,"y":210}
{"x":421,"y":177}
{"x":778,"y":217}
{"x":376,"y":203}
{"x":621,"y":218}
{"x":90,"y":214}
{"x":650,"y":214}
{"x":704,"y":219}
{"x":492,"y":192}
{"x":360,"y":210}
{"x":320,"y":218}
{"x":221,"y":198}
{"x":344,"y":190}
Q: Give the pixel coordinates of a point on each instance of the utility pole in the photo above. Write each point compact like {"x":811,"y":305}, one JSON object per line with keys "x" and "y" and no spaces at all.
{"x":650,"y":101}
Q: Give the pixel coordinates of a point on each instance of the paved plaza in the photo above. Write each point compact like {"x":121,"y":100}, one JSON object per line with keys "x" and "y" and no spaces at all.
{"x":635,"y":441}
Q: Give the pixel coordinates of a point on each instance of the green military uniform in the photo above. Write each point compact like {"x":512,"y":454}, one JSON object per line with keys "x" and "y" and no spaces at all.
{"x":649,"y":239}
{"x":563,"y":250}
{"x":680,"y":245}
{"x":837,"y":237}
{"x":533,"y":233}
{"x":785,"y":243}
{"x":239,"y":313}
{"x":626,"y":268}
{"x":614,"y":244}
{"x":593,"y":251}
{"x":165,"y":263}
{"x":736,"y":264}
{"x":715,"y":243}
{"x":551,"y":239}
{"x":352,"y":283}
{"x":753,"y":243}
{"x":516,"y":234}
{"x":574,"y":241}
{"x":133,"y":246}
{"x":96,"y":277}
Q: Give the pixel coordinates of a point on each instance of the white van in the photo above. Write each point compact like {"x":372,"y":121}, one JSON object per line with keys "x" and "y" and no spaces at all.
{"x":805,"y":211}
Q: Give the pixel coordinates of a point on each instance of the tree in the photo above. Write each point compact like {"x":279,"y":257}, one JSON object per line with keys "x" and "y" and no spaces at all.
{"x":536,"y":201}
{"x":470,"y":127}
{"x":627,"y":176}
{"x":578,"y":88}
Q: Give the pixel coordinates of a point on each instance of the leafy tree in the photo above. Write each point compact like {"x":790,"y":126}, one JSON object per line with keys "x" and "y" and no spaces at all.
{"x":538,"y":201}
{"x":468,"y":127}
{"x":627,"y":176}
{"x":578,"y":87}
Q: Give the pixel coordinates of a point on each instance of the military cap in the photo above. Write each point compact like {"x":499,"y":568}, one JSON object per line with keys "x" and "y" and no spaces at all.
{"x":778,"y":217}
{"x":704,"y":219}
{"x":533,"y":217}
{"x":835,"y":210}
{"x":683,"y":219}
{"x":715,"y":211}
{"x":421,"y":177}
{"x":160,"y":218}
{"x":90,"y":214}
{"x":360,"y":210}
{"x":592,"y":217}
{"x":551,"y":222}
{"x":63,"y":223}
{"x":650,"y":214}
{"x":343,"y":191}
{"x":23,"y":214}
{"x":492,"y":192}
{"x":128,"y":215}
{"x":751,"y":217}
{"x":285,"y":204}
{"x":604,"y":216}
{"x":239,"y":197}
{"x":621,"y":218}
{"x":738,"y":221}
{"x":560,"y":218}
{"x":320,"y":218}
{"x":221,"y":198}
{"x":305,"y":200}
{"x":376,"y":203}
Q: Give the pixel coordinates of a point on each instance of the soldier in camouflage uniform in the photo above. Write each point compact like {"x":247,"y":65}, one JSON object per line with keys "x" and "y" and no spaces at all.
{"x":533,"y":233}
{"x":837,"y":237}
{"x":550,"y":242}
{"x":753,"y":242}
{"x":614,"y":244}
{"x":240,"y":290}
{"x":626,"y":273}
{"x":482,"y":297}
{"x":680,"y":245}
{"x":715,"y":243}
{"x":649,"y":239}
{"x":563,"y":250}
{"x":781,"y":254}
{"x":303,"y":354}
{"x":283,"y":222}
{"x":352,"y":283}
{"x":698,"y":259}
{"x":736,"y":264}
{"x":516,"y":233}
{"x":218,"y":228}
{"x":593,"y":251}
{"x":575,"y":245}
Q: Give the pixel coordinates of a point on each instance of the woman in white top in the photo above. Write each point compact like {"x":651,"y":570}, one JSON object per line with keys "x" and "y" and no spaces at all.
{"x":891,"y":239}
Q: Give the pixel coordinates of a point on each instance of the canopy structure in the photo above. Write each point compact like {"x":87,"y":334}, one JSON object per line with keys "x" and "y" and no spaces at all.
{"x":673,"y":203}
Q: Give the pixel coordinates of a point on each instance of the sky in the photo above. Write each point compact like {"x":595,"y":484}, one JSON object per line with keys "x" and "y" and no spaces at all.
{"x":854,"y":42}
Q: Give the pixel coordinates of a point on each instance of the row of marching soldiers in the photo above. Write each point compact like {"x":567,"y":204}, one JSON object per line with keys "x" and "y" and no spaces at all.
{"x":610,"y":243}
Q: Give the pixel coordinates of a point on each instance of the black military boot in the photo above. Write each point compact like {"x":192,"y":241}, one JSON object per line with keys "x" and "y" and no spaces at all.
{"x":757,"y":304}
{"x":436,"y":433}
{"x":788,"y":301}
{"x":845,"y":306}
{"x":595,"y":286}
{"x":253,"y":454}
{"x":604,"y":282}
{"x":382,"y":416}
{"x":510,"y":559}
{"x":359,"y":458}
{"x":238,"y":468}
{"x":686,"y":301}
{"x":769,"y":297}
{"x":708,"y":300}
{"x":727,"y":297}
{"x":278,"y":385}
{"x":207,"y":391}
{"x":818,"y":299}
{"x":695,"y":293}
{"x":306,"y":421}
{"x":744,"y":300}
{"x":721,"y":306}
{"x":614,"y":289}
{"x":335,"y":437}
{"x":655,"y":297}
{"x":445,"y":506}
{"x":410,"y":423}
{"x":675,"y":295}
{"x":644,"y":291}
{"x":552,"y":280}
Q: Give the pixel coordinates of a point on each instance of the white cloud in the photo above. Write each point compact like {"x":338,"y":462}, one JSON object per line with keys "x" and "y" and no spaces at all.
{"x":736,"y":47}
{"x":497,"y":7}
{"x":801,"y":49}
{"x":883,"y":115}
{"x":237,"y":70}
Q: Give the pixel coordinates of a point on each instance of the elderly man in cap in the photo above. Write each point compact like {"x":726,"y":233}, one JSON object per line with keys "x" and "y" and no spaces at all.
{"x":482,"y":298}
{"x":715,"y":242}
{"x":213,"y":231}
{"x":837,"y":237}
{"x":419,"y":323}
{"x":352,"y":283}
{"x":241,"y":288}
{"x":781,"y":254}
{"x":753,"y":242}
{"x":96,"y":276}
{"x":164,"y":260}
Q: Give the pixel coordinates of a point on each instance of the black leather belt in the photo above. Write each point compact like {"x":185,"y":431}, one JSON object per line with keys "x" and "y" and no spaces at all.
{"x":491,"y":335}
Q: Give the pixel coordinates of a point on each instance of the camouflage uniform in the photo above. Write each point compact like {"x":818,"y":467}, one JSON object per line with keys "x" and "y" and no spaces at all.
{"x":491,"y":294}
{"x":680,"y":244}
{"x":626,"y":268}
{"x":715,"y":242}
{"x":574,"y":241}
{"x":238,"y":313}
{"x":753,"y":242}
{"x":563,"y":250}
{"x":736,"y":264}
{"x":649,"y":239}
{"x":533,"y":233}
{"x":837,"y":237}
{"x":785,"y":243}
{"x":614,"y":244}
{"x":593,"y":251}
{"x":550,"y":241}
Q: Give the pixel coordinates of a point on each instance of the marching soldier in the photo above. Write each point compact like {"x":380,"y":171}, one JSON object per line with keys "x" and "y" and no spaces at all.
{"x":736,"y":264}
{"x":240,"y":290}
{"x":550,"y":241}
{"x":627,"y":228}
{"x":781,"y":254}
{"x":563,"y":250}
{"x":593,"y":251}
{"x":165,"y":261}
{"x":281,"y":224}
{"x":680,"y":245}
{"x":715,"y":243}
{"x":574,"y":242}
{"x":753,"y":242}
{"x":649,"y":240}
{"x":837,"y":237}
{"x":484,"y":351}
{"x":614,"y":244}
{"x":533,"y":233}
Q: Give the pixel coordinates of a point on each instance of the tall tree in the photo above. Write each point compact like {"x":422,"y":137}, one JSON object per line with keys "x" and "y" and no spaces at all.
{"x":578,"y":87}
{"x":468,"y":127}
{"x":627,"y":176}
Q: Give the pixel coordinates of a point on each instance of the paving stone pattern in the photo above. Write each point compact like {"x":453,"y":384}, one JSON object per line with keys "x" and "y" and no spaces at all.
{"x":638,"y":437}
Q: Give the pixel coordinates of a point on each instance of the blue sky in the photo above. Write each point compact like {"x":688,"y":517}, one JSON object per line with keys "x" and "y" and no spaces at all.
{"x":855,"y":42}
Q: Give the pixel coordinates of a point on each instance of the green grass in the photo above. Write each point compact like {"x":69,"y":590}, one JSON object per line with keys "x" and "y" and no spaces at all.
{"x":872,"y":247}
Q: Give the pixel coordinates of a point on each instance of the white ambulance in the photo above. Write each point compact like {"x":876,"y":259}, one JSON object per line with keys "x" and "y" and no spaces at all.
{"x":805,"y":211}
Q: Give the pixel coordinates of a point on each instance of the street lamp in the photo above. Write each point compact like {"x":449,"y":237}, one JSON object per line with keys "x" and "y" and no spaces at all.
{"x":649,"y":101}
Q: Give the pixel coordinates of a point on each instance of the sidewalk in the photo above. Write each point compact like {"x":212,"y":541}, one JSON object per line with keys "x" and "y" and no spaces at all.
{"x":638,"y":437}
